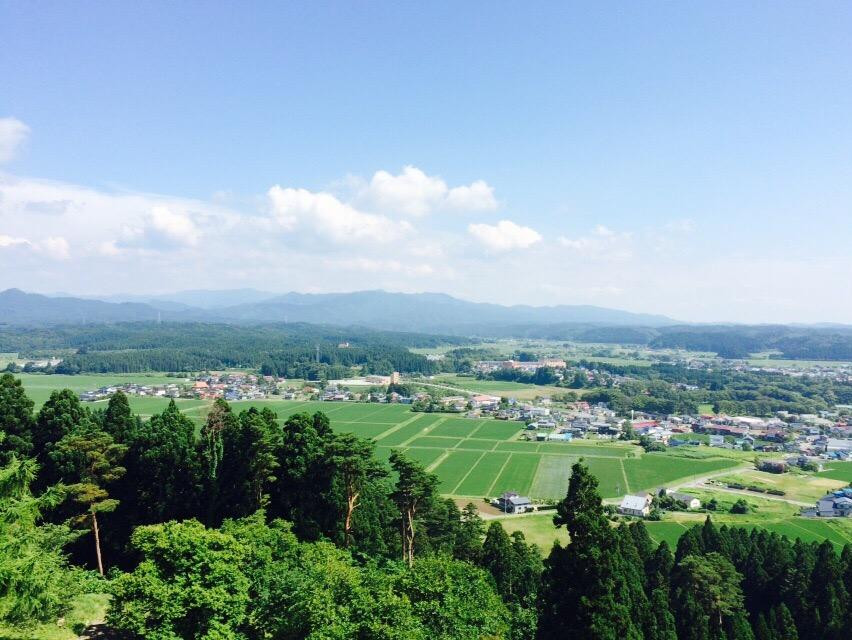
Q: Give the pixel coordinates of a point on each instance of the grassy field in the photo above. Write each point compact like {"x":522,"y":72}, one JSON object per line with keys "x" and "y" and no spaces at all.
{"x":838,"y":471}
{"x":39,"y":386}
{"x":804,"y":487}
{"x":517,"y":390}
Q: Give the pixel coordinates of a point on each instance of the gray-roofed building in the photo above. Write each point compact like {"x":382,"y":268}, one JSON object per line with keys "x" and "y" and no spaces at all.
{"x":639,"y":506}
{"x":511,"y":502}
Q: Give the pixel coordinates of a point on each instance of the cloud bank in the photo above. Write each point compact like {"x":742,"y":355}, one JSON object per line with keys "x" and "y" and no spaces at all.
{"x":401,"y":230}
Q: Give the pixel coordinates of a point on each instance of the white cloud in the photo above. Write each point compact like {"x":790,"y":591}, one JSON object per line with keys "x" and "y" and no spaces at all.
{"x":56,"y":247}
{"x":12,"y":133}
{"x":172,"y":227}
{"x":411,"y":193}
{"x":602,"y":243}
{"x":328,"y":217}
{"x":414,"y":193}
{"x":478,"y":196}
{"x":109,"y":248}
{"x":11,"y":241}
{"x":504,"y":236}
{"x":372,"y":265}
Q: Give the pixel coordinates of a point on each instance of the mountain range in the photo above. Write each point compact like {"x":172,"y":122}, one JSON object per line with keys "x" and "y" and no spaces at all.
{"x":424,"y":312}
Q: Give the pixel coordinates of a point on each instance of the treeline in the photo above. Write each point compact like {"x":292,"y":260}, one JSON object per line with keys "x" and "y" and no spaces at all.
{"x":257,"y":529}
{"x":728,"y":341}
{"x":740,"y":342}
{"x":250,"y":529}
{"x":664,"y":388}
{"x":721,"y":582}
{"x":284,"y":350}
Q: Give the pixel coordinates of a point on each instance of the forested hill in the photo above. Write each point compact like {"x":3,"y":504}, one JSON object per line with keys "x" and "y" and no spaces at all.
{"x":425,"y":313}
{"x":286,"y":350}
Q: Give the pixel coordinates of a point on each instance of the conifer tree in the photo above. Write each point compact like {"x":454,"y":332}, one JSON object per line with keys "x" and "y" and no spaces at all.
{"x":414,"y":489}
{"x":497,"y":558}
{"x":92,"y":459}
{"x":781,"y":623}
{"x":118,"y":420}
{"x":584,"y":594}
{"x":471,"y":530}
{"x":356,"y":467}
{"x":16,"y":419}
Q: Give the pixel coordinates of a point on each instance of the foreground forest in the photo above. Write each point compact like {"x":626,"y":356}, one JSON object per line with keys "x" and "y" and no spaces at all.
{"x":254,"y":528}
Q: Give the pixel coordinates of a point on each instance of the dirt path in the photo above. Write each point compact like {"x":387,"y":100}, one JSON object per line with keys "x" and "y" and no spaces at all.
{"x":465,"y":392}
{"x":754,"y":494}
{"x":700,"y":481}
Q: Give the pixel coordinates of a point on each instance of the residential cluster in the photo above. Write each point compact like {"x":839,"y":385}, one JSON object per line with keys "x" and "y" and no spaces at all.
{"x":229,"y":386}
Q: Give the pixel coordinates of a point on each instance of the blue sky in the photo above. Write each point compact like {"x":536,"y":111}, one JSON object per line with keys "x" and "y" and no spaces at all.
{"x":693,"y":160}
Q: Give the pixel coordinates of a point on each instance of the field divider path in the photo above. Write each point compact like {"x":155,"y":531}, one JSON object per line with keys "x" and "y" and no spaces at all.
{"x":424,"y":432}
{"x":498,"y":474}
{"x":438,"y":460}
{"x":469,"y":471}
{"x":624,"y":475}
{"x":398,"y":426}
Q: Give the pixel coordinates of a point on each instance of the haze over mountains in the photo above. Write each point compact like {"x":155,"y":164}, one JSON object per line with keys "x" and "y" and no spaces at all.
{"x":426,"y":312}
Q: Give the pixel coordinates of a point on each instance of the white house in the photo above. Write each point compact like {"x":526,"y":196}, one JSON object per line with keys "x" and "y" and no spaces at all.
{"x":639,"y":506}
{"x":690,"y":501}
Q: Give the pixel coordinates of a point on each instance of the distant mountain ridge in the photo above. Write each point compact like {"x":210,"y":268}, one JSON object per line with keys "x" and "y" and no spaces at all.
{"x":423,"y":312}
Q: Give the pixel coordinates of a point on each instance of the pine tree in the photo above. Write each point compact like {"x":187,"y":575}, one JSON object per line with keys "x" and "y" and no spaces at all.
{"x":583,"y":593}
{"x":762,"y":630}
{"x":782,"y":624}
{"x":162,"y":480}
{"x":706,"y":597}
{"x":526,"y":570}
{"x":471,"y":530}
{"x":642,"y":541}
{"x":303,"y":488}
{"x":211,"y":451}
{"x":497,"y":558}
{"x":91,"y":458}
{"x":58,"y":417}
{"x":16,"y":419}
{"x":828,"y":592}
{"x":414,"y":489}
{"x":356,"y":467}
{"x":118,"y":420}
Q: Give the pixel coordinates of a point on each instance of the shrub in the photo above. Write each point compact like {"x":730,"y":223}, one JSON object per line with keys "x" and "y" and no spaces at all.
{"x":740,"y":506}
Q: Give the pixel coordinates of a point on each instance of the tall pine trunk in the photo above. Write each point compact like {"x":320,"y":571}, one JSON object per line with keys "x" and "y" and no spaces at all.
{"x":97,"y":542}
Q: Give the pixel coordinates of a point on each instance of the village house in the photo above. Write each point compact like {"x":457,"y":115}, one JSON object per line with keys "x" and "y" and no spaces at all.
{"x":639,"y":506}
{"x":511,"y":502}
{"x":690,"y":501}
{"x":837,"y":504}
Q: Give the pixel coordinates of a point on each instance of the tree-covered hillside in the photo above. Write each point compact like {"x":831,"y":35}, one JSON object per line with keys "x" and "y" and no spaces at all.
{"x":289,"y":349}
